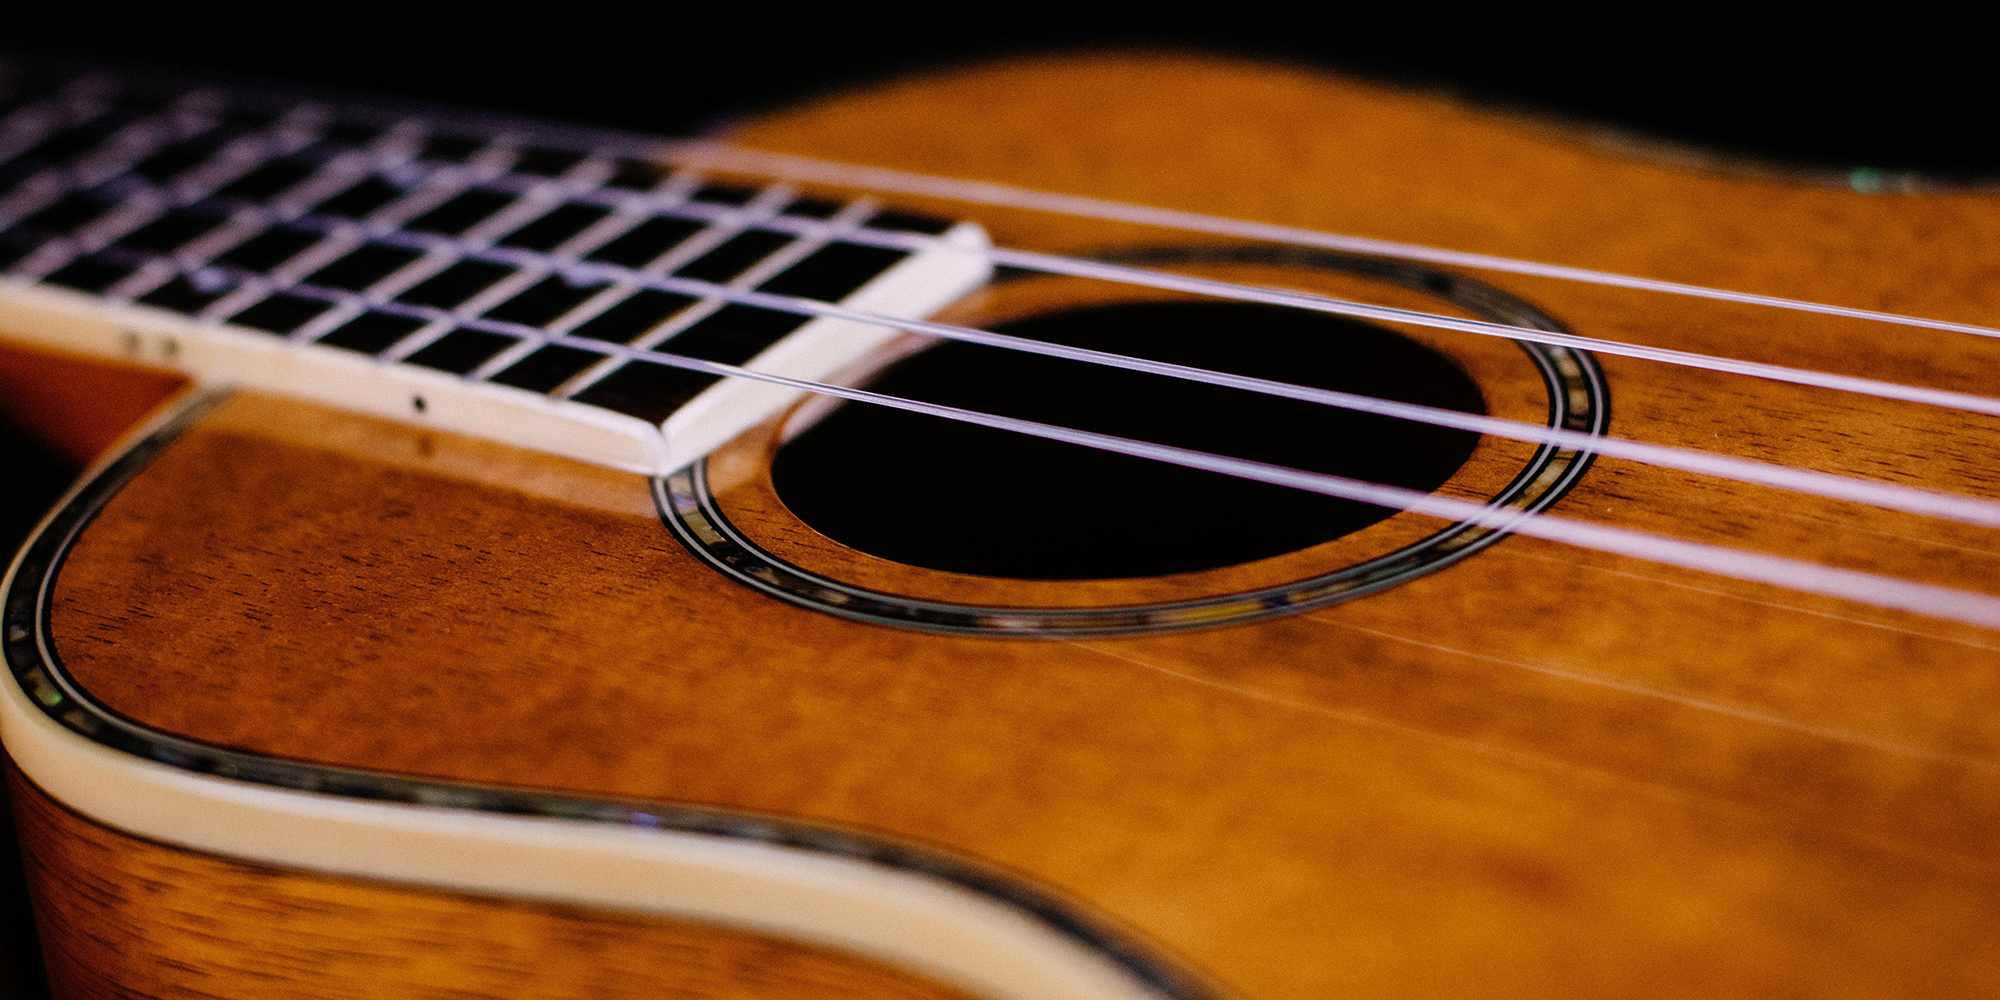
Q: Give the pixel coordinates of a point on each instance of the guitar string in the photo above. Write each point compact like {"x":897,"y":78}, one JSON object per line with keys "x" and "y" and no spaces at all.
{"x":1605,"y":451}
{"x":712,"y":155}
{"x":1909,"y":499}
{"x":1165,"y":280}
{"x":1892,"y":496}
{"x":1859,"y":586}
{"x":1873,"y":492}
{"x":1920,"y":598}
{"x":1126,"y":274}
{"x":1198,"y":461}
{"x":804,"y":169}
{"x":1146,"y":277}
{"x":1862,"y":587}
{"x":1120,"y":273}
{"x":1916,"y":501}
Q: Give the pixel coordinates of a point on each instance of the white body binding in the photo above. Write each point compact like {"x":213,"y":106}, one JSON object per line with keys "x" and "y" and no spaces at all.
{"x":216,"y":354}
{"x":901,"y":917}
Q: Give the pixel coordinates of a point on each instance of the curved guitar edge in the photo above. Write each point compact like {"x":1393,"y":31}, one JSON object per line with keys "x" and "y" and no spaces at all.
{"x":941,"y":917}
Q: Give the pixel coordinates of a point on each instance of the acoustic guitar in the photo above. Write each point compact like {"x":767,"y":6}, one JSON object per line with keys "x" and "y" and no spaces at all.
{"x":1088,"y":527}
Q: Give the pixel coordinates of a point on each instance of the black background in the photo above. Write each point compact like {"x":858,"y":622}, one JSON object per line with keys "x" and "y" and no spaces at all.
{"x":1902,"y":89}
{"x":1899,"y":87}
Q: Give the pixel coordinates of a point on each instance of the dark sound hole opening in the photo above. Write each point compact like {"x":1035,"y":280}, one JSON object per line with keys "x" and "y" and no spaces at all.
{"x":950,"y":496}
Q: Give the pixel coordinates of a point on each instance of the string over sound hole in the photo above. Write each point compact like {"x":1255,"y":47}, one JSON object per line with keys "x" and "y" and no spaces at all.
{"x":959,"y":498}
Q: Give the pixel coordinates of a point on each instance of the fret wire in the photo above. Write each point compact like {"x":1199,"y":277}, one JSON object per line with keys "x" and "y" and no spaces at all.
{"x":726,"y":226}
{"x":219,"y":167}
{"x":1093,"y":269}
{"x":833,"y":172}
{"x":846,"y":220}
{"x":1784,"y":574}
{"x":722,"y":226}
{"x":402,"y":279}
{"x":670,"y":191}
{"x":324,"y":323}
{"x":33,"y":194}
{"x":417,"y":198}
{"x":593,"y":307}
{"x":528,"y":206}
{"x":48,"y":115}
{"x":1930,"y":503}
{"x":621,"y":280}
{"x":1846,"y":488}
{"x":1341,"y":307}
{"x":240,"y":156}
{"x":337,"y":174}
{"x":500,"y":362}
{"x":1381,"y":313}
{"x":597,"y":234}
{"x":783,"y":166}
{"x":130,"y":214}
{"x":842,"y":223}
{"x":230,"y":233}
{"x":1861,"y":587}
{"x":29,"y":118}
{"x":248,"y":293}
{"x":500,"y":291}
{"x":1142,"y":276}
{"x":417,"y":340}
{"x":767,"y":204}
{"x":149,"y":276}
{"x":902,"y":240}
{"x":67,"y":246}
{"x":588,"y":174}
{"x":103,"y":162}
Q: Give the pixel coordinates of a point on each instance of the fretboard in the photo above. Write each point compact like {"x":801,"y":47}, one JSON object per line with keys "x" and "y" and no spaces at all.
{"x":548,"y":287}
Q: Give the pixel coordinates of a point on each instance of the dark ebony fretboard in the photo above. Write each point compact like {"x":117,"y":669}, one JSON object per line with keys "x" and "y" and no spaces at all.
{"x":475,"y":273}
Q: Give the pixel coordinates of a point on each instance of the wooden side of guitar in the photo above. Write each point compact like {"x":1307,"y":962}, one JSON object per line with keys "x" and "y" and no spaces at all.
{"x":126,"y":917}
{"x":1542,"y":771}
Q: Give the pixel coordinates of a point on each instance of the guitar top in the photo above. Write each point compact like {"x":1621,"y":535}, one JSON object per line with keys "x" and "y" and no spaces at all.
{"x":1157,"y":527}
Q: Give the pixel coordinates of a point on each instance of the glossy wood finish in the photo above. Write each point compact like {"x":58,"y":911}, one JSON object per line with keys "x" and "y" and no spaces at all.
{"x":125,"y":917}
{"x":1541,"y":772}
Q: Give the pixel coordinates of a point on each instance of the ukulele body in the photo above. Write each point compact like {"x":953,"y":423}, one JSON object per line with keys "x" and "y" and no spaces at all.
{"x":1534,"y":770}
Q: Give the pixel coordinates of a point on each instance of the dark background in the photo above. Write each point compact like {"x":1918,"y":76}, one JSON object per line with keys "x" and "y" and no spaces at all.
{"x":1904,"y":89}
{"x":1900,"y":86}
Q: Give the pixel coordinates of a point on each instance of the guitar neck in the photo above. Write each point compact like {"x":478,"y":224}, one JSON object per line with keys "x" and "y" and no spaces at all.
{"x":545,"y":287}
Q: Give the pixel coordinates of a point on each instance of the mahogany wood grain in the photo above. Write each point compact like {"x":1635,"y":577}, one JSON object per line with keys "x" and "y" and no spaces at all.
{"x":1534,"y":748}
{"x":129,"y":918}
{"x":1541,"y":772}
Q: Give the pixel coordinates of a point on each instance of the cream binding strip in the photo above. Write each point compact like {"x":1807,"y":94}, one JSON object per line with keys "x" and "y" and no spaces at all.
{"x":937,"y":272}
{"x":1002,"y":945}
{"x":905,"y":919}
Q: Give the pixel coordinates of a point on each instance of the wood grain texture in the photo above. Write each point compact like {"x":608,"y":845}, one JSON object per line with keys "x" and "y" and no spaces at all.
{"x":1541,"y":772}
{"x":125,"y":918}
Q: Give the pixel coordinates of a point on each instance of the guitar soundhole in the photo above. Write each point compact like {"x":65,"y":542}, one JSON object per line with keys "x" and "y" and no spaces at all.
{"x":950,"y":496}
